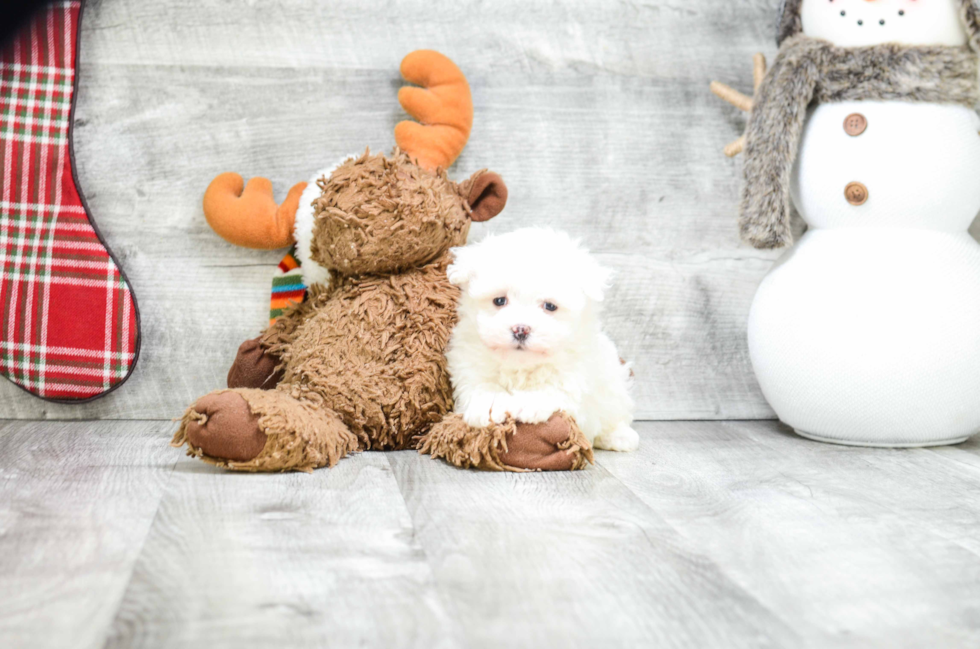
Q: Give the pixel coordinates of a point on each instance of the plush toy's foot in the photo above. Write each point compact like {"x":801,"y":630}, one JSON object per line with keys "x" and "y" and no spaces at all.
{"x":555,"y":445}
{"x":263,"y":430}
{"x":254,"y":367}
{"x":220,"y":425}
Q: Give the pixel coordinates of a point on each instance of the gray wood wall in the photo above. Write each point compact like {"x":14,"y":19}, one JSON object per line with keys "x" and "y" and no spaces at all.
{"x":596,"y":112}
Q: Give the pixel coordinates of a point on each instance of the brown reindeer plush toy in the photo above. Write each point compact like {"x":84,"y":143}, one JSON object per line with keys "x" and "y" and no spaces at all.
{"x":360,"y":364}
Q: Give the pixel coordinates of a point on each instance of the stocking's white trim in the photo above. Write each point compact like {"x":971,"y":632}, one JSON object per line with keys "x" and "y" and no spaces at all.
{"x":313,"y":273}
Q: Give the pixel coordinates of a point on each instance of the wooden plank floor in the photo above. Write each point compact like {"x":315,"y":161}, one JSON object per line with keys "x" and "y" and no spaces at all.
{"x":714,"y":534}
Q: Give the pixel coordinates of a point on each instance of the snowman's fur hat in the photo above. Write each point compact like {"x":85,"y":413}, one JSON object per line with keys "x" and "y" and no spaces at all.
{"x":790,"y":23}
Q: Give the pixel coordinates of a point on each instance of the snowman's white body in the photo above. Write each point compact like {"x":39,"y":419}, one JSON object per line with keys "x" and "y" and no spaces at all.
{"x":867,"y":331}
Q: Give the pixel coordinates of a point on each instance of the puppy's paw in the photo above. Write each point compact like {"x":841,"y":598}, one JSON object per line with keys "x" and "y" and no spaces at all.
{"x":476,"y":417}
{"x":622,"y":438}
{"x":536,"y":411}
{"x":495,"y":408}
{"x":476,"y":410}
{"x":504,"y":405}
{"x":484,"y":410}
{"x":533,"y":407}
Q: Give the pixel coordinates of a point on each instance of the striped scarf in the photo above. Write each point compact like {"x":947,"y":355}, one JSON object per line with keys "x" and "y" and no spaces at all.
{"x":287,"y":285}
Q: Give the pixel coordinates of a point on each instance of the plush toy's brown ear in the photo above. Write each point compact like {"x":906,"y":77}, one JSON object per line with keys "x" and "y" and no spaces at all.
{"x":487,"y":196}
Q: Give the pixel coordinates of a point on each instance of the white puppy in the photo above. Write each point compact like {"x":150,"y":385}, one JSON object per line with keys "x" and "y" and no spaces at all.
{"x":529,"y":342}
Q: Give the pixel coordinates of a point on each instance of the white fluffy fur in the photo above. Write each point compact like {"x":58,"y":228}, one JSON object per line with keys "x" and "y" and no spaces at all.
{"x":566,"y":363}
{"x":313,"y":273}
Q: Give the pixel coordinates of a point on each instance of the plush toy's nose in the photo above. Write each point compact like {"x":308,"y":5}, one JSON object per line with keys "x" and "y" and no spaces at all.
{"x":521,"y":332}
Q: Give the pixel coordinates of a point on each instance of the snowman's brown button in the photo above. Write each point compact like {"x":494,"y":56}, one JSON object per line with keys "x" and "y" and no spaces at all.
{"x":855,"y":124}
{"x":856,"y":194}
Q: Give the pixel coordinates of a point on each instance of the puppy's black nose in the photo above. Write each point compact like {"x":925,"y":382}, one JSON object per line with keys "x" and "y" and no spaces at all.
{"x":521,"y":332}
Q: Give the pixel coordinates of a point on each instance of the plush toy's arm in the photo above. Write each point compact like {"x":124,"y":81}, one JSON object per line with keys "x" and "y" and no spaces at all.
{"x":247,"y":215}
{"x":555,"y":445}
{"x":259,"y":362}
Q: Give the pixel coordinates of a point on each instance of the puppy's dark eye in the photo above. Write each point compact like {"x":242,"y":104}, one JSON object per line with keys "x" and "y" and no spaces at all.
{"x":550,"y":306}
{"x":500,"y":301}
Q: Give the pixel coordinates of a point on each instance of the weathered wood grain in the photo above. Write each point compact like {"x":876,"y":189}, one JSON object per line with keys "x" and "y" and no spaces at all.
{"x":76,"y":501}
{"x":294,"y":560}
{"x":715,"y":534}
{"x":597,"y":114}
{"x":571,"y":560}
{"x":855,"y":547}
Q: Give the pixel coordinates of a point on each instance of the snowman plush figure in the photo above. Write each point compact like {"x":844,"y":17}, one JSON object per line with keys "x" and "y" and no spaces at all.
{"x":867,"y":330}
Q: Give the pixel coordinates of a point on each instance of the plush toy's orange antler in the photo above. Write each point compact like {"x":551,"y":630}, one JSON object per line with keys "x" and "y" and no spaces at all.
{"x":249,"y":217}
{"x":443,"y":105}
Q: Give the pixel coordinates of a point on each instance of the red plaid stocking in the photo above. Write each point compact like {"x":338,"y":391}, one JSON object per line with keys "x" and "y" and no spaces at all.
{"x":69,"y":328}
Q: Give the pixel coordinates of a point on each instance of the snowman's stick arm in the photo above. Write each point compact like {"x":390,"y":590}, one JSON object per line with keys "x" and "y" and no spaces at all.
{"x":759,"y":69}
{"x":732,"y":96}
{"x":739,"y":100}
{"x":736,"y":147}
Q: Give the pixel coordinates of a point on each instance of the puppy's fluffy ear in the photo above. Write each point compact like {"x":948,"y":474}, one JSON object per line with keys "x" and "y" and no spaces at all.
{"x":463,"y":268}
{"x":594,"y":277}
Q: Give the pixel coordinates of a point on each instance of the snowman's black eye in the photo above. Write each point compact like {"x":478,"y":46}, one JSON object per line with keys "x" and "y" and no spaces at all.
{"x":881,"y":22}
{"x":500,"y":301}
{"x":843,"y":13}
{"x":901,"y":12}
